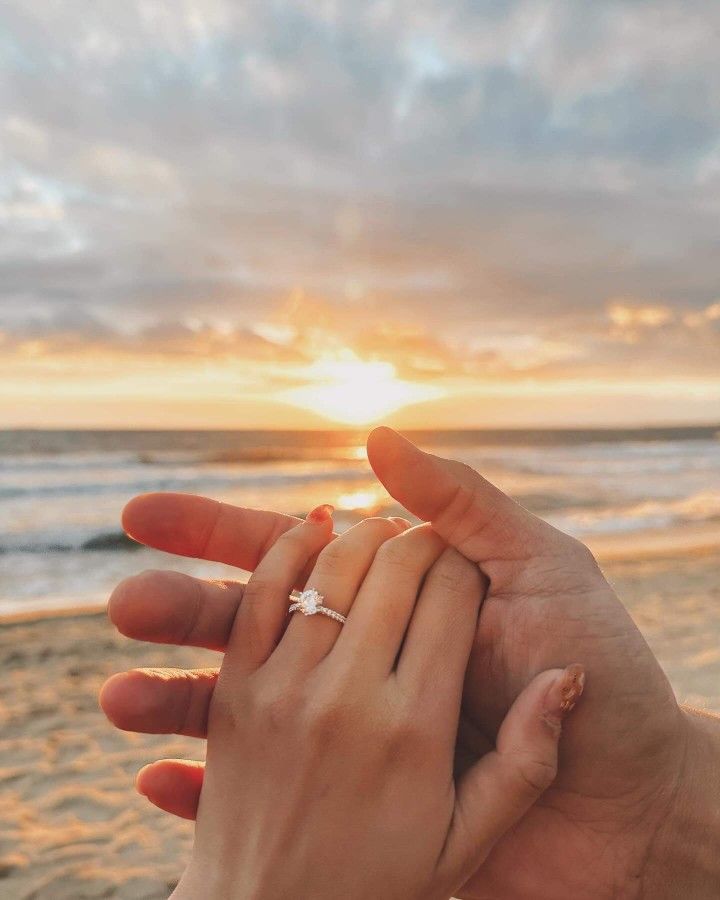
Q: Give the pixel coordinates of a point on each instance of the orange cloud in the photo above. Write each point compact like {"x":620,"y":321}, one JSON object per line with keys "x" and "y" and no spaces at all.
{"x":633,"y":316}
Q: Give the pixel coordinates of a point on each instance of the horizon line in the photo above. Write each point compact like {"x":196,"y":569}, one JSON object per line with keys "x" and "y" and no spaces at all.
{"x":661,"y":426}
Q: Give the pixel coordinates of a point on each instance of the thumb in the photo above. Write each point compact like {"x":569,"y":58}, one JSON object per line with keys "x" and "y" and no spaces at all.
{"x":499,"y":789}
{"x":467,"y":511}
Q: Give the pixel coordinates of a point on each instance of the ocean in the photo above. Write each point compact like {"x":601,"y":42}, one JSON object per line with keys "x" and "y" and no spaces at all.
{"x":61,"y":492}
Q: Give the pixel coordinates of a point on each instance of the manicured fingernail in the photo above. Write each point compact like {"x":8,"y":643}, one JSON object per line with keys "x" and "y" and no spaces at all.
{"x":398,"y":520}
{"x":322,"y":513}
{"x":565,"y":692}
{"x":571,"y":686}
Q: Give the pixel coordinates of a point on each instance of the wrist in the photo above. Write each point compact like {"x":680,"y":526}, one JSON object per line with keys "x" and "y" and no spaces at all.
{"x":683,"y":859}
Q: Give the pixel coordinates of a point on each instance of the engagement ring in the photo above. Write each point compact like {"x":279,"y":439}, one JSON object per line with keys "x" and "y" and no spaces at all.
{"x":310,"y":603}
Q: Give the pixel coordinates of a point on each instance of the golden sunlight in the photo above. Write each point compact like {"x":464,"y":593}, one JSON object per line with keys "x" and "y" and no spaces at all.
{"x":355,"y":392}
{"x":368,"y":501}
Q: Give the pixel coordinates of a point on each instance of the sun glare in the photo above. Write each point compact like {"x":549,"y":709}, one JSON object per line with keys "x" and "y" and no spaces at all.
{"x":368,"y":501}
{"x":355,"y":392}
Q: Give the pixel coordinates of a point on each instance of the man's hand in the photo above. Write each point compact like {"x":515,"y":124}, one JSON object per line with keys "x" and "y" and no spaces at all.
{"x":624,"y":770}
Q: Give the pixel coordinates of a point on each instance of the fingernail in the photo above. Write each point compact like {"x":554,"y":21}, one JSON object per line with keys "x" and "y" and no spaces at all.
{"x":398,"y":520}
{"x":138,"y":781}
{"x":566,"y":691}
{"x":322,"y":513}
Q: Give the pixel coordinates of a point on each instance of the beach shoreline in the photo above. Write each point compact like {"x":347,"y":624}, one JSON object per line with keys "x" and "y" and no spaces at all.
{"x":688,"y":541}
{"x":657,"y":543}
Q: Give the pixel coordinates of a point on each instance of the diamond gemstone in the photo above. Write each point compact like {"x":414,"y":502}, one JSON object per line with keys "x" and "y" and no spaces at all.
{"x":310,"y":600}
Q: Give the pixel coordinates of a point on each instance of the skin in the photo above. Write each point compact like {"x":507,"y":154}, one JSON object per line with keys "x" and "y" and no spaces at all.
{"x":357,"y":725}
{"x":635,"y":767}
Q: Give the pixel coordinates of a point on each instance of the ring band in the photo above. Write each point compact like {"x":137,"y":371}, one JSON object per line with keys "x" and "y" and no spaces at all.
{"x":310,"y":603}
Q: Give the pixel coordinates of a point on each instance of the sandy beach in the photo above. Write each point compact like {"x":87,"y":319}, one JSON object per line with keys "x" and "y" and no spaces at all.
{"x":71,"y":823}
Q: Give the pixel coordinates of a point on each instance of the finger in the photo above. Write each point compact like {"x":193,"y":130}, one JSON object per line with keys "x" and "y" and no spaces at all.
{"x":472,"y":515}
{"x":172,"y":785}
{"x":440,"y":635}
{"x":498,"y":790}
{"x":160,"y":701}
{"x":401,"y":522}
{"x":173,"y":608}
{"x":262,"y":615}
{"x":206,"y":529}
{"x":386,"y":600}
{"x":338,"y":574}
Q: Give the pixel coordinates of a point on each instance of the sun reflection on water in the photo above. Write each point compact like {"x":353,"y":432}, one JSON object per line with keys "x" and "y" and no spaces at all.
{"x":366,"y":501}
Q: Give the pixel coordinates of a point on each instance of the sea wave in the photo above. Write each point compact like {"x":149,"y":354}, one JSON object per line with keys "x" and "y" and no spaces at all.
{"x":177,"y":481}
{"x":61,"y":493}
{"x":703,"y":507}
{"x":251,"y":455}
{"x":108,"y":541}
{"x":580,"y":521}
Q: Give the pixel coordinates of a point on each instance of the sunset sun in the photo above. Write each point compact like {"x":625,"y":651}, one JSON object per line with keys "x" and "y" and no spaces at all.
{"x":355,"y":392}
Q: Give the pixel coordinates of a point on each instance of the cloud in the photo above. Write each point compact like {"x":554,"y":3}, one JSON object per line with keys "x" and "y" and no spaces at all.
{"x":300,"y":331}
{"x":629,"y":318}
{"x":78,"y":333}
{"x":634,"y":316}
{"x":633,"y":337}
{"x":467,"y":186}
{"x":652,"y":339}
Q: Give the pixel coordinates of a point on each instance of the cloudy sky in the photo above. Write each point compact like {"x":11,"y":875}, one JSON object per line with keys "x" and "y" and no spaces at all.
{"x":238,"y":214}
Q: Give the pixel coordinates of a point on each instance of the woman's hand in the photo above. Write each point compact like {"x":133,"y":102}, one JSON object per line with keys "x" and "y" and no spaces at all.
{"x":330,"y":748}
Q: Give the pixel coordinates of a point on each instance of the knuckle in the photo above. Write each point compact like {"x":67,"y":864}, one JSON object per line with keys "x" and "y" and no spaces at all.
{"x":369,"y":531}
{"x":397,"y":554}
{"x":331,"y":709}
{"x":423,"y":538}
{"x":471,"y":511}
{"x":453,"y":574}
{"x":377,"y":527}
{"x":462,"y":509}
{"x":275,"y":707}
{"x":334,"y":553}
{"x":323,"y":716}
{"x":190,"y":718}
{"x":411,"y":737}
{"x":412,"y":551}
{"x":294,"y":537}
{"x":407,"y":729}
{"x":534,"y":774}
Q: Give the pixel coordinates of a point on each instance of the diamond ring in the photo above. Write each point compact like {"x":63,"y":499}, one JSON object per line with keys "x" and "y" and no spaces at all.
{"x":310,"y":603}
